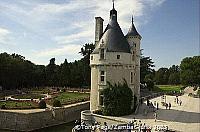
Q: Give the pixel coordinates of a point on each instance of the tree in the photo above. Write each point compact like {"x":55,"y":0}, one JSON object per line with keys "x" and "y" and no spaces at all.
{"x":146,"y":67}
{"x":117,"y":99}
{"x":161,"y":76}
{"x":190,"y":71}
{"x":52,"y":73}
{"x":86,"y":50}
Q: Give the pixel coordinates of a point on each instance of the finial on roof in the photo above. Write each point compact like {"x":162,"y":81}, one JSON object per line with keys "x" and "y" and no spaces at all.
{"x":113,"y":4}
{"x":132,"y":19}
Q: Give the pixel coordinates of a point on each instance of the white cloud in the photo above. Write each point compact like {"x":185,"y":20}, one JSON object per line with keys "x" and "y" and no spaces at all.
{"x":4,"y":35}
{"x":69,"y":23}
{"x":64,"y":50}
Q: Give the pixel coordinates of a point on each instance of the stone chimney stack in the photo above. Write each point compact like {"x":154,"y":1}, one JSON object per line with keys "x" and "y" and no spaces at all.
{"x":98,"y":29}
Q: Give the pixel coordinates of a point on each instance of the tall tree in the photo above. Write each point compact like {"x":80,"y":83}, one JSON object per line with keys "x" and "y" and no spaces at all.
{"x":146,"y":67}
{"x":190,"y":71}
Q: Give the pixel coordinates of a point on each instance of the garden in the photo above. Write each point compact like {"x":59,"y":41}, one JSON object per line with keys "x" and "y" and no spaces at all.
{"x":31,"y":99}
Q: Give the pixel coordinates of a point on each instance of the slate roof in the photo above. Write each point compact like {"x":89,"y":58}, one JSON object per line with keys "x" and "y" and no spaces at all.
{"x":113,"y":38}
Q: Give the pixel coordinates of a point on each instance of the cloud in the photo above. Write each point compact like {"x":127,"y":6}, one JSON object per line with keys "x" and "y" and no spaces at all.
{"x":4,"y":35}
{"x":67,"y":25}
{"x":64,"y":50}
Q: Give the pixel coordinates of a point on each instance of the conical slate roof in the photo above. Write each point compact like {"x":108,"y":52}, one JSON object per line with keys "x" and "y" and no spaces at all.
{"x":132,"y":30}
{"x":113,"y":38}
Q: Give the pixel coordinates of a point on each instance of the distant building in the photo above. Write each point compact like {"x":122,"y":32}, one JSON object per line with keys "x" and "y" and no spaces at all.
{"x":115,"y":57}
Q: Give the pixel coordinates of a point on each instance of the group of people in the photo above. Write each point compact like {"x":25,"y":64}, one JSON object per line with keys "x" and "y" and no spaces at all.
{"x":168,"y":105}
{"x":178,"y":101}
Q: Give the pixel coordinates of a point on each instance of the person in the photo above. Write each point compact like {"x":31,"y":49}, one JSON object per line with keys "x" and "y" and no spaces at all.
{"x":166,"y":105}
{"x":157,"y":105}
{"x":148,"y":102}
{"x":155,"y":116}
{"x":180,"y":102}
{"x":144,"y":128}
{"x":170,"y":106}
{"x":177,"y":99}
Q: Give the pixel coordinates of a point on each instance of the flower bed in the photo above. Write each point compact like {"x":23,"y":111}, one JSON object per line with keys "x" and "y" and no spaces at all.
{"x":69,"y":97}
{"x":19,"y":104}
{"x":28,"y":96}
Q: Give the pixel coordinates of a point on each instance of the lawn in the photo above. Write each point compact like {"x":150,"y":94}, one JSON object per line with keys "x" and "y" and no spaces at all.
{"x":167,"y":88}
{"x":71,"y":97}
{"x":19,"y":104}
{"x":28,"y":96}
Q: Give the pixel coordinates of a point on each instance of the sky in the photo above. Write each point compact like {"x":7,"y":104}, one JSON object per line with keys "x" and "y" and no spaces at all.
{"x":43,"y":29}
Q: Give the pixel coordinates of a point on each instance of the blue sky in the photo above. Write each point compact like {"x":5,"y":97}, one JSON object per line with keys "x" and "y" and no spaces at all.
{"x":42,"y":29}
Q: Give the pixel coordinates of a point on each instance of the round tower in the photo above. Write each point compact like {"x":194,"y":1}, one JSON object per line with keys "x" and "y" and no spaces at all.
{"x":134,"y":38}
{"x":111,"y":61}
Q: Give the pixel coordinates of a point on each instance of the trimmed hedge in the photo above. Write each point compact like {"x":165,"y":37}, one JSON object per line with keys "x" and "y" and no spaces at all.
{"x":56,"y":103}
{"x":42,"y":104}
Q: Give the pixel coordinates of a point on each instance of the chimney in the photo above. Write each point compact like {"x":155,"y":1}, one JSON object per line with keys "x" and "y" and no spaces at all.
{"x":98,"y":29}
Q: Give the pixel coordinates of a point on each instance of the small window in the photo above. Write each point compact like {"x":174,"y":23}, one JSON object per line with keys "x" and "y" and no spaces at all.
{"x":102,"y":54}
{"x":101,"y":99}
{"x":91,"y":57}
{"x":131,"y":78}
{"x":102,"y":76}
{"x":118,"y":56}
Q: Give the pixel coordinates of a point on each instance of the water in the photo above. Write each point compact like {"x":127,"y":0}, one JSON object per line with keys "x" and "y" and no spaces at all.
{"x":67,"y":127}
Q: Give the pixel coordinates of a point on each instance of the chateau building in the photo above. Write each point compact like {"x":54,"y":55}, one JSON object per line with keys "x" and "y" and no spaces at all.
{"x":116,"y":57}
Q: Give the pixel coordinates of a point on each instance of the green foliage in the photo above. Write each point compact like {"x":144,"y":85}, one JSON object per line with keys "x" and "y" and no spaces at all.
{"x":146,"y":65}
{"x":42,"y":104}
{"x":117,"y":99}
{"x":198,"y":93}
{"x":28,"y":96}
{"x":56,"y":103}
{"x":167,"y":88}
{"x":19,"y":104}
{"x":3,"y":106}
{"x":165,"y":76}
{"x":70,"y":97}
{"x":190,"y":71}
{"x":17,"y":72}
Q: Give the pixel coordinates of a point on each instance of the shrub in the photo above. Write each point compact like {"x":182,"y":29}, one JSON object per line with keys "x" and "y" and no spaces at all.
{"x":99,"y":112}
{"x":3,"y":106}
{"x":56,"y":103}
{"x":117,"y":99}
{"x":42,"y":104}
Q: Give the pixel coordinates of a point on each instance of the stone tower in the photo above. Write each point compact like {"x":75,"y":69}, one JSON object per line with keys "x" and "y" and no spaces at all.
{"x":116,"y":57}
{"x":134,"y":38}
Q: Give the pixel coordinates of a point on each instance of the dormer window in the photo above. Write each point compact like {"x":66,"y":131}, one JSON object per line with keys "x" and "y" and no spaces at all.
{"x":102,"y":53}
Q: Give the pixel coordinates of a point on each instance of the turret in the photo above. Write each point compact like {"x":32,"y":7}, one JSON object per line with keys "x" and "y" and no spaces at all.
{"x":134,"y":38}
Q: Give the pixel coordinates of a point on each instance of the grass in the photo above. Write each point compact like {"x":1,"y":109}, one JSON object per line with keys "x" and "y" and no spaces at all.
{"x":70,"y":97}
{"x":19,"y":104}
{"x":28,"y":96}
{"x":167,"y":88}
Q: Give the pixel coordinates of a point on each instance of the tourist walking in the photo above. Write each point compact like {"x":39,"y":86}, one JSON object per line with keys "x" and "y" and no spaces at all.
{"x":166,"y":105}
{"x":155,"y":116}
{"x":170,"y":106}
{"x":157,"y":105}
{"x":180,"y":102}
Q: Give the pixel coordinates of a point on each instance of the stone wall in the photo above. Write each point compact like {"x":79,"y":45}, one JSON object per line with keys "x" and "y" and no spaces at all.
{"x":88,"y":117}
{"x":28,"y":121}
